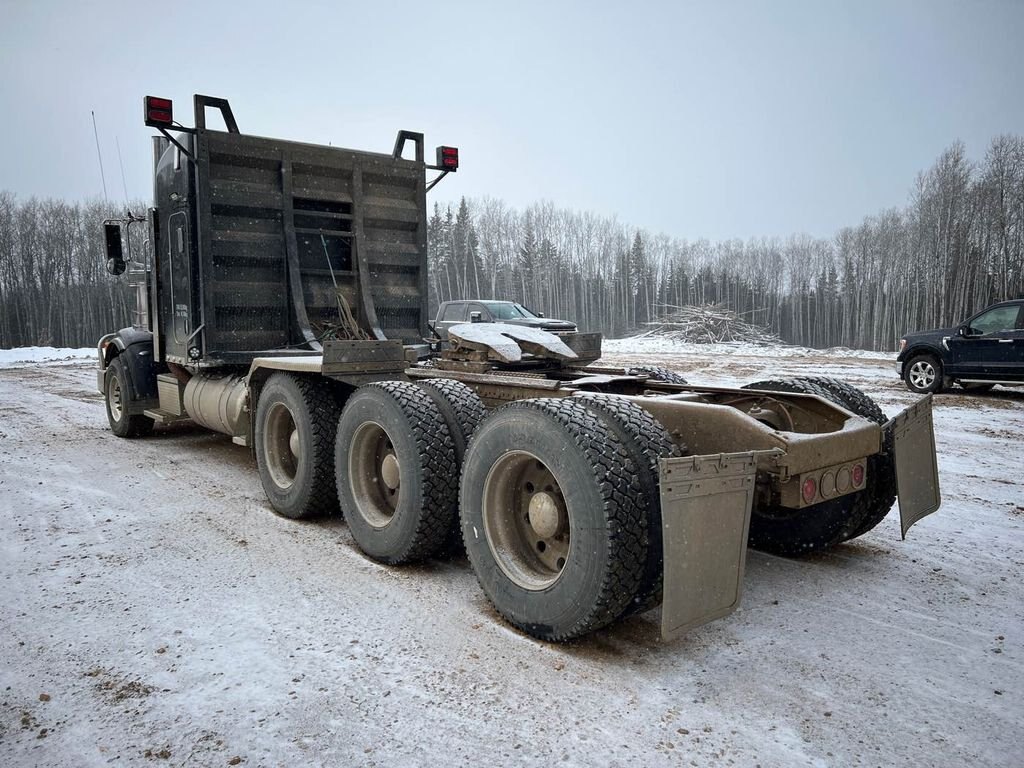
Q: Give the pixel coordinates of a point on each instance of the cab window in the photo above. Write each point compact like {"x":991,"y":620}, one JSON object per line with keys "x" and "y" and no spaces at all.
{"x":454,"y":312}
{"x":995,"y":320}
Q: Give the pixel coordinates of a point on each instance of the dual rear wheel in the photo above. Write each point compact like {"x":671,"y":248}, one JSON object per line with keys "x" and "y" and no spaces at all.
{"x":554,"y":517}
{"x":396,"y":472}
{"x":561,"y":515}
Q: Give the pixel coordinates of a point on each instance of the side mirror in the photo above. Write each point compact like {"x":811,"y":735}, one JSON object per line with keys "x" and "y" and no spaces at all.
{"x":540,"y":314}
{"x":115,"y":255}
{"x":475,"y":317}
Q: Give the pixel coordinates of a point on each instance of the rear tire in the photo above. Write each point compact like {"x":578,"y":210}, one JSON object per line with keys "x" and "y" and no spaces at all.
{"x":656,"y":373}
{"x":117,"y":392}
{"x":786,"y":531}
{"x":294,"y":434}
{"x":395,"y":471}
{"x":646,"y":440}
{"x":551,"y":518}
{"x":462,"y":410}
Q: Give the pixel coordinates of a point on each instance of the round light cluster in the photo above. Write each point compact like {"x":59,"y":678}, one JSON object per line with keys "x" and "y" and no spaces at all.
{"x":835,"y":482}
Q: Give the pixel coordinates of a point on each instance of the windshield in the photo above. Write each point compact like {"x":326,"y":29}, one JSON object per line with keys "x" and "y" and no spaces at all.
{"x":506,"y":310}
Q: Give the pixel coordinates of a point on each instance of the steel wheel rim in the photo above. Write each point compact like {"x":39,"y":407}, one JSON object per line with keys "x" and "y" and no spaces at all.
{"x":526,"y":521}
{"x":922,"y":374}
{"x":114,"y":398}
{"x":374,"y":471}
{"x":281,"y":445}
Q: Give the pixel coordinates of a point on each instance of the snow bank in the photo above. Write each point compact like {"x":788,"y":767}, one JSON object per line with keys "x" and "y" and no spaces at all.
{"x":23,"y":355}
{"x":655,"y":345}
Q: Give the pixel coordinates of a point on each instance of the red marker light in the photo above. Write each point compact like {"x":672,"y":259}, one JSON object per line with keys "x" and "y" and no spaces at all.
{"x":858,"y":474}
{"x":448,"y":158}
{"x":809,"y":490}
{"x":158,"y":112}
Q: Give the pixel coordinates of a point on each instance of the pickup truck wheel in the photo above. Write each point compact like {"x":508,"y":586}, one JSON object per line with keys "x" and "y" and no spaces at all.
{"x":786,"y":531}
{"x":656,"y":373}
{"x":294,"y":436}
{"x":646,"y":440}
{"x":117,"y":394}
{"x":551,"y":518}
{"x":877,"y":499}
{"x":462,"y":410}
{"x":396,"y":473}
{"x":923,"y":374}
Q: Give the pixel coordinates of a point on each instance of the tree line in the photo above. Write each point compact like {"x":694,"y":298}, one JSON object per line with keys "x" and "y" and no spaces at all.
{"x":54,"y":288}
{"x":957,"y":246}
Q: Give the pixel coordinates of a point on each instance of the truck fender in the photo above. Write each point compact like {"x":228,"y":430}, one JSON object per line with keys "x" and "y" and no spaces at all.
{"x":135,"y":348}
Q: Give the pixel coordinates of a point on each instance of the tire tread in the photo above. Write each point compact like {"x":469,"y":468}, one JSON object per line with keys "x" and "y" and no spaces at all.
{"x":435,"y":447}
{"x":615,"y":475}
{"x":647,"y":441}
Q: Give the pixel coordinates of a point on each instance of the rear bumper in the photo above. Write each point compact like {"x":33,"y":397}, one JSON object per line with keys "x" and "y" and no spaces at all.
{"x":899,"y":368}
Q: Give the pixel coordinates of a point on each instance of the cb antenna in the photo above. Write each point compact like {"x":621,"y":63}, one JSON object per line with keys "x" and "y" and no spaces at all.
{"x":120,"y":162}
{"x":95,"y":133}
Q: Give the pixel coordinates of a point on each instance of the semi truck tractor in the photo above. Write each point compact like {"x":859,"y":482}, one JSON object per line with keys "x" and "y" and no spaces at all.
{"x":281,"y":292}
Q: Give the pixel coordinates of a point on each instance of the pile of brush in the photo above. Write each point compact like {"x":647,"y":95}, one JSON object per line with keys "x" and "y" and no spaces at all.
{"x":707,"y":324}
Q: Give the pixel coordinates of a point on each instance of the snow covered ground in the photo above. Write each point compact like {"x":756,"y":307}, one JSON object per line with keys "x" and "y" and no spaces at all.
{"x":28,"y":355}
{"x":155,"y":611}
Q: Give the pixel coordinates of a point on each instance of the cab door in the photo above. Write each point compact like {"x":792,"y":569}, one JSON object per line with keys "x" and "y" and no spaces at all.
{"x":178,"y":258}
{"x":454,"y":313}
{"x":986,"y":344}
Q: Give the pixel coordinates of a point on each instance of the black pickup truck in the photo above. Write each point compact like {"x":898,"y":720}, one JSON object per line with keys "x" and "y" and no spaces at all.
{"x":985,"y":350}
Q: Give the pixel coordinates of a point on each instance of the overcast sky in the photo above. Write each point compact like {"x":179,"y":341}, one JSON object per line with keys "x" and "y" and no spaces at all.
{"x":712,"y":119}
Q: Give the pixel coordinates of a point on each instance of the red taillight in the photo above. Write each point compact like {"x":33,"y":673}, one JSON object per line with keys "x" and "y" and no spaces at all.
{"x":448,"y":158}
{"x":159,"y":112}
{"x":809,"y":490}
{"x":858,"y":475}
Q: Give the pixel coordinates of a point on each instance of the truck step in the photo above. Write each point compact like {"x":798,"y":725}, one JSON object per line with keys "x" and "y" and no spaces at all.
{"x":164,"y":417}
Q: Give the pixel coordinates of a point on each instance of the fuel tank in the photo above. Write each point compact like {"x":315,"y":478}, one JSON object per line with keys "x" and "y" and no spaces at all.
{"x":217,"y":402}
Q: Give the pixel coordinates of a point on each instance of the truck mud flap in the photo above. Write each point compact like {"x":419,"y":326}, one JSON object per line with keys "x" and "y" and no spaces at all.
{"x":705,"y":516}
{"x":917,"y":471}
